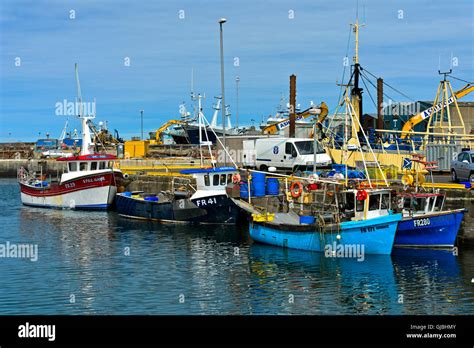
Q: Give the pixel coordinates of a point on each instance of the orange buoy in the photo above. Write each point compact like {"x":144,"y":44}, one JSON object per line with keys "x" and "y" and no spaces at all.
{"x":296,"y":194}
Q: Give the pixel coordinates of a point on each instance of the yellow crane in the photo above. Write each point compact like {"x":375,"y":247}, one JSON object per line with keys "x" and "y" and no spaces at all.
{"x":322,"y":111}
{"x":159,"y":131}
{"x":413,"y":121}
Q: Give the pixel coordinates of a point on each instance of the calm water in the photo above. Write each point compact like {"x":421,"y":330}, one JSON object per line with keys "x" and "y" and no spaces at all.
{"x":207,"y":270}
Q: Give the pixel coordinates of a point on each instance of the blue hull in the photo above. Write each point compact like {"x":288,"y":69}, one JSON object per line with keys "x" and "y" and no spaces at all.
{"x":375,"y":235}
{"x":430,"y":230}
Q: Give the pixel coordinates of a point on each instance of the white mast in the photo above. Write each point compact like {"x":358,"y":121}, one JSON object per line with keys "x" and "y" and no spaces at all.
{"x":87,"y":145}
{"x":216,"y":107}
{"x":227,"y":114}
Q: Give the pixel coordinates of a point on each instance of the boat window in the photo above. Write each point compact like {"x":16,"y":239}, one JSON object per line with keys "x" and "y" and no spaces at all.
{"x":72,"y":166}
{"x":418,"y":204}
{"x":215,"y":180}
{"x":101,"y":165}
{"x":223,"y":178}
{"x":207,"y":182}
{"x":229,"y":178}
{"x":374,"y":202}
{"x":360,"y":205}
{"x":111,"y":165}
{"x":406,"y":203}
{"x":439,"y":203}
{"x":385,"y":204}
{"x":93,"y":165}
{"x":431,"y":201}
{"x":349,"y":201}
{"x":82,"y":166}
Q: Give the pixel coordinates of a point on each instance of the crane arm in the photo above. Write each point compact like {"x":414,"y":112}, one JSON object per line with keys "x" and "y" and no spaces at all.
{"x":322,"y":111}
{"x":163,"y":128}
{"x":413,"y":121}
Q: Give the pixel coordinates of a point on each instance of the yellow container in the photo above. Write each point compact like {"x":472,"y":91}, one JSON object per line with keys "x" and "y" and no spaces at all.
{"x":263,"y":217}
{"x":136,"y":148}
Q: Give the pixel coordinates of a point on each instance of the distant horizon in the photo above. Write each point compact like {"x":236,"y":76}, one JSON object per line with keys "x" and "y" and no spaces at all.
{"x":140,"y":56}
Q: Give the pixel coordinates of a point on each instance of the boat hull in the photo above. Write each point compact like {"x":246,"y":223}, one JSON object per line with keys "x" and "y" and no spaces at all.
{"x":90,"y":193}
{"x":375,"y":235}
{"x":430,"y":230}
{"x":218,"y":210}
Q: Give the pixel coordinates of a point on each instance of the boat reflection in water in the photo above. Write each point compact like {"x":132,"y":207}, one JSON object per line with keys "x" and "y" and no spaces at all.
{"x":407,"y":282}
{"x":325,"y":285}
{"x":430,"y":280}
{"x":104,"y":261}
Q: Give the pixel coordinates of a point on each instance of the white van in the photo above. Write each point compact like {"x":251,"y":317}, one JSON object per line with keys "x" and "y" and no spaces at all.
{"x":284,"y":154}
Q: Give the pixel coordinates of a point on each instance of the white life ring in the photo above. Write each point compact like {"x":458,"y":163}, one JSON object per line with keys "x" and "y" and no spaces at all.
{"x":312,"y":178}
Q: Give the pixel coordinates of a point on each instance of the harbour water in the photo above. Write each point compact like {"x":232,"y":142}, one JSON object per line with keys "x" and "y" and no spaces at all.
{"x":100,"y":263}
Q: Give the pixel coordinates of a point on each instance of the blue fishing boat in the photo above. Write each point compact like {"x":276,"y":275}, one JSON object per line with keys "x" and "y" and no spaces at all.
{"x":425,"y":223}
{"x":363,"y":222}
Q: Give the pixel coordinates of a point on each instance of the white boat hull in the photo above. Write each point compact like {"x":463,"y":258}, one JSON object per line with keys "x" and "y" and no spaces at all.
{"x":90,"y":198}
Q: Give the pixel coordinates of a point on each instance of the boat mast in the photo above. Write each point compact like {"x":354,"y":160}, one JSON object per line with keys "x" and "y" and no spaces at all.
{"x":216,"y":107}
{"x":87,"y":145}
{"x":356,"y":92}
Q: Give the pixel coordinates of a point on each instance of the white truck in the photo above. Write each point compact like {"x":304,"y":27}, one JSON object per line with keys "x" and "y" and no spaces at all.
{"x":289,"y":154}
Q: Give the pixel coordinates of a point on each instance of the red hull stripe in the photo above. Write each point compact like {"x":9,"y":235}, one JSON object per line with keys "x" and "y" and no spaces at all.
{"x":83,"y":183}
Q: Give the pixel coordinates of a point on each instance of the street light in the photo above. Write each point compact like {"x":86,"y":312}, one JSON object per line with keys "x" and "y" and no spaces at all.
{"x":237,"y":80}
{"x":141,"y":113}
{"x":222,"y":21}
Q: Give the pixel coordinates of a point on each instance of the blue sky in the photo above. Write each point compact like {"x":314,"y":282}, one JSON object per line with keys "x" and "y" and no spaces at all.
{"x":163,"y":49}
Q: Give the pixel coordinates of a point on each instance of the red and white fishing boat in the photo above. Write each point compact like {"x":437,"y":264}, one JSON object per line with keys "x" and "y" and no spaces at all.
{"x":89,"y":181}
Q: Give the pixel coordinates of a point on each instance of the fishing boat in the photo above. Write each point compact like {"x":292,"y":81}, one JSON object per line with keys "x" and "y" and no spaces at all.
{"x":426,"y":222}
{"x":89,"y":181}
{"x":208,"y":204}
{"x":362,"y":220}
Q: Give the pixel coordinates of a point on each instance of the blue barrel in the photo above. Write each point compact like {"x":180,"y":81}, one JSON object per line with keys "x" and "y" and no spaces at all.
{"x":306,"y":219}
{"x":258,"y":181}
{"x":273,"y":187}
{"x":244,"y":190}
{"x":151,"y":198}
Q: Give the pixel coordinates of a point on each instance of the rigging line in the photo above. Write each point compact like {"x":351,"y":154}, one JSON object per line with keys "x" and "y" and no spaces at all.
{"x":402,"y":117}
{"x":385,"y":83}
{"x":370,"y":95}
{"x":372,"y":84}
{"x":457,"y":78}
{"x":346,"y":56}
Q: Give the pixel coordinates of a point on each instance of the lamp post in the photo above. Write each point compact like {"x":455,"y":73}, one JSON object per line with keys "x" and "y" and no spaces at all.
{"x":141,"y":113}
{"x":237,"y":80}
{"x":221,"y":22}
